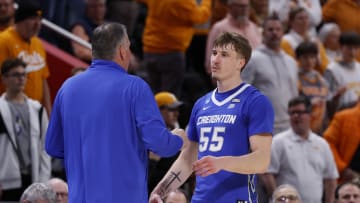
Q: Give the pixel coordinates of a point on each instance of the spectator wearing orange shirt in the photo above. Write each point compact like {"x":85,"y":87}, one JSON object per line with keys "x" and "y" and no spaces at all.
{"x":168,"y":31}
{"x":343,"y":136}
{"x":21,"y":41}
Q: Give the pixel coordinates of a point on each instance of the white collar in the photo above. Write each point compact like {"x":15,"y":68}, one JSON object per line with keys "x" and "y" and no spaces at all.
{"x":229,"y":98}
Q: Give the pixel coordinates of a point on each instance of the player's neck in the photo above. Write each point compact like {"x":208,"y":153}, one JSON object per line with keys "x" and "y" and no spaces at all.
{"x":229,"y":84}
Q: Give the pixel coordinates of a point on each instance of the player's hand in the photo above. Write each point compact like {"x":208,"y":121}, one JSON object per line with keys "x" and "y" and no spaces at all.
{"x":155,"y":198}
{"x":181,"y":133}
{"x":207,"y":165}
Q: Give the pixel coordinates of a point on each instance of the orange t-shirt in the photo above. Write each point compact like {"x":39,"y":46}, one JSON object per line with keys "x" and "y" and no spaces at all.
{"x":170,"y":24}
{"x":32,"y":53}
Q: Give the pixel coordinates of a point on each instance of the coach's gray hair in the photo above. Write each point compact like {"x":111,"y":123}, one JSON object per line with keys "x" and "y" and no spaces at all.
{"x":38,"y":191}
{"x":284,"y":186}
{"x":106,"y":38}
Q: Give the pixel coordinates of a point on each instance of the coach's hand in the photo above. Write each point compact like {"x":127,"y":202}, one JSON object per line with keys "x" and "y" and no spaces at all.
{"x":181,"y":133}
{"x":155,"y":198}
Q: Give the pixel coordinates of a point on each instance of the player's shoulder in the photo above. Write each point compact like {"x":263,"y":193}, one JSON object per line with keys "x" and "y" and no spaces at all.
{"x":252,"y":93}
{"x":204,"y":99}
{"x":249,"y":96}
{"x":256,"y":100}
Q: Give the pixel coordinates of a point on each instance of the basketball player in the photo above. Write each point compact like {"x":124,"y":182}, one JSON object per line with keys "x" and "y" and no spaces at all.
{"x":230,"y":133}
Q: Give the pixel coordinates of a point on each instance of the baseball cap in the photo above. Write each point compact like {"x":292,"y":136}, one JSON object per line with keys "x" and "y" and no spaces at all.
{"x":26,"y":9}
{"x":167,"y":99}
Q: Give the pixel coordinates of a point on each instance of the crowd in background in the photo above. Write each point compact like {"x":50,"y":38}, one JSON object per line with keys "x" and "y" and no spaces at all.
{"x":306,"y":48}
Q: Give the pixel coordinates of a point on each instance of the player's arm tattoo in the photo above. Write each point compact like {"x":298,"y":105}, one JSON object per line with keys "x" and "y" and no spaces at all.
{"x":166,"y":185}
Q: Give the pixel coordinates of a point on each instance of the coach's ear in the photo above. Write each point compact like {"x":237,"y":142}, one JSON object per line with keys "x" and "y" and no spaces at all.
{"x":122,"y":53}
